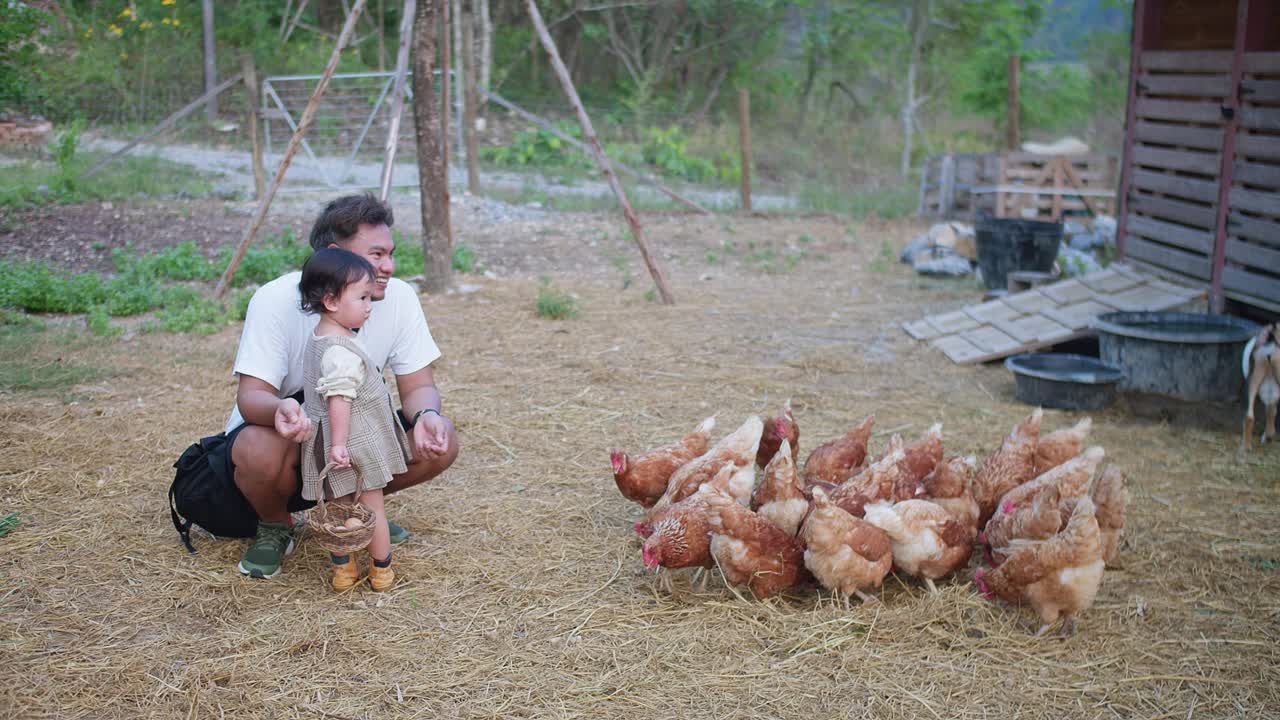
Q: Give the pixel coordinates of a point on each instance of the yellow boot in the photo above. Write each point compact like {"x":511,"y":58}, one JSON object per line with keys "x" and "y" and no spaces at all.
{"x":346,"y":575}
{"x":381,"y":578}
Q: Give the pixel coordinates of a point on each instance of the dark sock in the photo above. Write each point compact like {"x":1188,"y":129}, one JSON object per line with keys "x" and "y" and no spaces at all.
{"x":339,"y":559}
{"x":382,"y":563}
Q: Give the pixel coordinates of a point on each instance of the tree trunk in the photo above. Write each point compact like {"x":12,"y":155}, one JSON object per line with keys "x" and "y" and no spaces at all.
{"x":436,"y":249}
{"x":469,"y":101}
{"x":486,"y":49}
{"x":210,"y":60}
{"x":919,"y":26}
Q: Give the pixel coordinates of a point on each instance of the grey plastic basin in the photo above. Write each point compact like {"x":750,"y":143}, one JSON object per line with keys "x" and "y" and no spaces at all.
{"x":1191,"y":356}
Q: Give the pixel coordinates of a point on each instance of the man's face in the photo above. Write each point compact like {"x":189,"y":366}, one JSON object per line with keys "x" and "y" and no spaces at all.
{"x":374,"y":243}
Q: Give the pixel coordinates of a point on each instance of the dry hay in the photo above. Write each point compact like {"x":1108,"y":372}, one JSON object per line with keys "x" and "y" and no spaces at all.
{"x":523,"y":594}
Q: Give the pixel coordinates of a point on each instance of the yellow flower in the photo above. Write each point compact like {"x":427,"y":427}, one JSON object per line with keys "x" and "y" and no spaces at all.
{"x":168,"y":2}
{"x":146,"y":24}
{"x":165,"y":21}
{"x":176,"y":22}
{"x":88,"y":33}
{"x":115,"y":29}
{"x":127,"y":12}
{"x":124,"y":56}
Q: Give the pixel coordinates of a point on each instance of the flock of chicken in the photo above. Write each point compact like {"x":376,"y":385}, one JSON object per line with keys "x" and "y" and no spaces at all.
{"x":1044,"y":516}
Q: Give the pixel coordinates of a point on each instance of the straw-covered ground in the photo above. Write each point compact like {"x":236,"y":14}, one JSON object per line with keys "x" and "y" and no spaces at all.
{"x":522,"y":593}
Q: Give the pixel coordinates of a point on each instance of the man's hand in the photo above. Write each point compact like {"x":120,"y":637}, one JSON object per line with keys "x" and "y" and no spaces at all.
{"x":339,"y":457}
{"x":291,"y":422}
{"x":431,"y":434}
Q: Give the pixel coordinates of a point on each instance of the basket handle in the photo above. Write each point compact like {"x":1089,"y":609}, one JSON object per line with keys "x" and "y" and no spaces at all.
{"x":324,"y":477}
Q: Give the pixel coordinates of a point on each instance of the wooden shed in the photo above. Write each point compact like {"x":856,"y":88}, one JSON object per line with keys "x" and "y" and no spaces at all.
{"x":1200,"y":177}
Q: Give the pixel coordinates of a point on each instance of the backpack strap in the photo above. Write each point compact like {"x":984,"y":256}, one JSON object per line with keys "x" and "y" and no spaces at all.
{"x":182,"y":526}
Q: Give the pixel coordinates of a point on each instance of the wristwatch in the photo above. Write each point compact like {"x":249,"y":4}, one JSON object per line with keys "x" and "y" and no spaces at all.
{"x":414,"y":421}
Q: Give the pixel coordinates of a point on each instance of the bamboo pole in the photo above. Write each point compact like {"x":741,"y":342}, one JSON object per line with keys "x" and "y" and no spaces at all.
{"x":744,"y":141}
{"x":210,"y":60}
{"x":255,"y":143}
{"x":164,"y":124}
{"x":397,"y":98}
{"x":308,"y":114}
{"x":588,"y":132}
{"x":1012,"y":130}
{"x":574,"y":142}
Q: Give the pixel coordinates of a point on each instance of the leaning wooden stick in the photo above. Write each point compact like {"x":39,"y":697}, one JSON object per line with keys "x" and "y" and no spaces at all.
{"x":572,"y":141}
{"x":589,"y":134}
{"x":308,"y":114}
{"x":397,"y":97}
{"x":164,"y":124}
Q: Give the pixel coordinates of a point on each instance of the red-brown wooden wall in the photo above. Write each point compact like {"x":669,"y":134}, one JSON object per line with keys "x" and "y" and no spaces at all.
{"x":1200,"y":181}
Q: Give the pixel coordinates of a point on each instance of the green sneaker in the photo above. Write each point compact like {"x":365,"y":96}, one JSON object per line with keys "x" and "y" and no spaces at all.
{"x":398,"y":534}
{"x":263,"y":557}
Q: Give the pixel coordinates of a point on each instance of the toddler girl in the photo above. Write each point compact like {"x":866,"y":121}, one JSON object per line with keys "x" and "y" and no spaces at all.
{"x":348,"y":403}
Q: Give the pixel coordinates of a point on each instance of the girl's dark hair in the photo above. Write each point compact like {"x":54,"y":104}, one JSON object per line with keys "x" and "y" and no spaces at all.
{"x":327,"y":272}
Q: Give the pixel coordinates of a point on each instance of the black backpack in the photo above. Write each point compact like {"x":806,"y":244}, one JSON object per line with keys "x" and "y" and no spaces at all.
{"x":201,"y":495}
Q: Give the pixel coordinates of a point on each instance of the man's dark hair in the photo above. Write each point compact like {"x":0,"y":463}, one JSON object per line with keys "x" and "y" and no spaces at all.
{"x":327,"y":272}
{"x":342,"y":218}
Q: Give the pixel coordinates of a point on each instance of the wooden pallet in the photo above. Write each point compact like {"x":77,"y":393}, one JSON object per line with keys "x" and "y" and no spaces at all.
{"x":1252,"y":270}
{"x":1047,"y":315}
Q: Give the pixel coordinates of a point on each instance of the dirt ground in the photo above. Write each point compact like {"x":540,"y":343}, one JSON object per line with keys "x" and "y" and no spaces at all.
{"x":522,"y":593}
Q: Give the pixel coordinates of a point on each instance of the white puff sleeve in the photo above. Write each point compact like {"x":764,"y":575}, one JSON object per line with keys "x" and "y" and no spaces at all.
{"x":341,"y":373}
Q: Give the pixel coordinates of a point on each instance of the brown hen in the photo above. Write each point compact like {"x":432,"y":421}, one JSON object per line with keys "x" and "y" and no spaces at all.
{"x":749,"y":549}
{"x":950,"y":485}
{"x":835,"y":460}
{"x":1009,"y":466}
{"x":643,"y":478}
{"x":780,"y":497}
{"x":1058,"y":577}
{"x":776,"y":429}
{"x":1060,"y":446}
{"x":928,"y":542}
{"x":738,"y":447}
{"x":848,"y":555}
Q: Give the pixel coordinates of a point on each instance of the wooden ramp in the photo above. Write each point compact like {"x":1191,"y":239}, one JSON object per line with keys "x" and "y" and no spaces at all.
{"x":1047,"y":315}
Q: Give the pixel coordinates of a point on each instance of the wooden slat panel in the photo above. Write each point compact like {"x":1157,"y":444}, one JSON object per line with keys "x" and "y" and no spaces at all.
{"x":1253,"y":173}
{"x":1185,"y":110}
{"x":1262,"y":62}
{"x":1181,"y":262}
{"x":1186,"y":160}
{"x":1193,"y":85}
{"x":1241,"y":280}
{"x":1260,"y":118}
{"x":1265,"y":203}
{"x":1259,"y":146}
{"x":1259,"y":256}
{"x":1168,"y":134}
{"x":1188,"y":61}
{"x":1167,"y":209}
{"x":1202,"y":190}
{"x":1200,"y":241}
{"x":1260,"y":90}
{"x":1253,"y":228}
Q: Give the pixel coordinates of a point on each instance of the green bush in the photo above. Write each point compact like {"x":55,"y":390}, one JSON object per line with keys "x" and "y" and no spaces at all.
{"x":555,"y":304}
{"x":464,"y":258}
{"x":668,"y":150}
{"x":538,"y":147}
{"x":272,"y":258}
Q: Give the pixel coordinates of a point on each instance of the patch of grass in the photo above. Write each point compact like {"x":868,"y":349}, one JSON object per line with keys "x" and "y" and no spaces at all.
{"x":887,"y":202}
{"x":99,"y":323}
{"x":32,"y":183}
{"x":555,"y":304}
{"x":464,"y":258}
{"x":31,"y":361}
{"x":885,"y":259}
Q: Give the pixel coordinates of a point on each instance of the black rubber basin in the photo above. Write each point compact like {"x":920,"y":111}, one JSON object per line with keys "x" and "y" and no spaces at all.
{"x":1065,"y":381}
{"x":1008,"y":244}
{"x":1190,"y":356}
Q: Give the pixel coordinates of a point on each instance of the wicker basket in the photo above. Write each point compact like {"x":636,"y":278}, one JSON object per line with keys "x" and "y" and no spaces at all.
{"x":328,"y":520}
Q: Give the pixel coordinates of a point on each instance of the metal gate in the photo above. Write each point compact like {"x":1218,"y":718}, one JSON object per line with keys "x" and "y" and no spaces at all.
{"x":336,"y":154}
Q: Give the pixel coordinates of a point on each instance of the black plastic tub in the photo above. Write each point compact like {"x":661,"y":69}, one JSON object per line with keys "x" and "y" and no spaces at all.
{"x":1190,"y":356}
{"x":1065,"y":381}
{"x":1008,"y":244}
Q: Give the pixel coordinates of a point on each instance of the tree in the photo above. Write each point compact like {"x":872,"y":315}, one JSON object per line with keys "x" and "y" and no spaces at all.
{"x":437,"y":245}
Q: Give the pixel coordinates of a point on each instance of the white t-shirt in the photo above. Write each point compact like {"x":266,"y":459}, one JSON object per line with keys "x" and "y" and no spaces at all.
{"x":276,"y":331}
